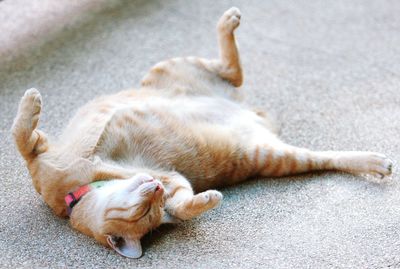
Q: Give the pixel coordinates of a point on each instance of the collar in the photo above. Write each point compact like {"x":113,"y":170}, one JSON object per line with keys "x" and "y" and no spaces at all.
{"x":73,"y":198}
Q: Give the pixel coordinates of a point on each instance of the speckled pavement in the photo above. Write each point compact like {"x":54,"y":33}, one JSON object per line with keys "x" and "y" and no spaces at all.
{"x":328,"y":71}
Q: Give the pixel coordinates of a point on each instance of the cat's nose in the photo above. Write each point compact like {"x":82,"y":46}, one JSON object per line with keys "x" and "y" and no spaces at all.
{"x":158,"y":191}
{"x":151,"y":187}
{"x":159,"y":188}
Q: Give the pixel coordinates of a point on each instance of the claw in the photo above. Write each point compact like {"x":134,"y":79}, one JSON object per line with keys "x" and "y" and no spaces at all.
{"x":390,"y":168}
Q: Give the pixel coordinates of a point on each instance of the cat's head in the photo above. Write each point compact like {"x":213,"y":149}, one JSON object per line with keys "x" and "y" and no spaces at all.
{"x":120,"y":213}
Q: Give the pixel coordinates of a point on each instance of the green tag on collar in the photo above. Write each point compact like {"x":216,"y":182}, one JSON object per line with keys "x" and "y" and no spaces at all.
{"x":98,"y":184}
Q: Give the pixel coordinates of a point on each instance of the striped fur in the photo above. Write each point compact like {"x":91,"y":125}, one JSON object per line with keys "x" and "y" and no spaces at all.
{"x":165,"y":147}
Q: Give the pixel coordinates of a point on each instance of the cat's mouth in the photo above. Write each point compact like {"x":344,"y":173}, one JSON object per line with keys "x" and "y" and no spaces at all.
{"x":141,"y":181}
{"x":158,"y":190}
{"x":151,"y":188}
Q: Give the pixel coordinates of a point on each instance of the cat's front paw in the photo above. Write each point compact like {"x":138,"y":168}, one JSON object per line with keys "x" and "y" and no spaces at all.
{"x":208,"y":199}
{"x":30,"y":107}
{"x":230,"y":20}
{"x":32,"y":100}
{"x":28,"y":112}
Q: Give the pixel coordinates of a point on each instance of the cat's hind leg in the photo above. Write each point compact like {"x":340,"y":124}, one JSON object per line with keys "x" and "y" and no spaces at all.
{"x":181,"y":201}
{"x":282,"y":160}
{"x":228,"y":65}
{"x":30,"y":141}
{"x":184,"y":73}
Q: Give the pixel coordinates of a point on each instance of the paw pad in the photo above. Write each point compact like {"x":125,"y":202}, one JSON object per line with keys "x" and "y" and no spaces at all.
{"x":230,"y":20}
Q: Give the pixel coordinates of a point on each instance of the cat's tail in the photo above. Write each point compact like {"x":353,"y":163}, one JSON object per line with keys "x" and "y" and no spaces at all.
{"x":30,"y":141}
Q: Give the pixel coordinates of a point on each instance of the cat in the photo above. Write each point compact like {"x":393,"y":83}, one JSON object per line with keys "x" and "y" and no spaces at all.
{"x":128,"y":162}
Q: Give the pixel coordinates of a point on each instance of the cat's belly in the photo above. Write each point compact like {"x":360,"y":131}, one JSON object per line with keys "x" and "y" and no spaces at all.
{"x":197,"y":136}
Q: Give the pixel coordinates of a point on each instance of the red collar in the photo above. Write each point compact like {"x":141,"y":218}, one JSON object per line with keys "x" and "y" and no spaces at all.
{"x":73,"y":198}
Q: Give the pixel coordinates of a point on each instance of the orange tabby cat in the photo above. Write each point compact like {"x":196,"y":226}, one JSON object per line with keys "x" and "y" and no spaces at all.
{"x":183,"y":132}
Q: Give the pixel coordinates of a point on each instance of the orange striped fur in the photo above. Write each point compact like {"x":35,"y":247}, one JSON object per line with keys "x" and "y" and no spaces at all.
{"x":165,"y":147}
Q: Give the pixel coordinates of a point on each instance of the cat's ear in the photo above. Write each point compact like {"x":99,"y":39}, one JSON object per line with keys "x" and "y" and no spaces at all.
{"x":168,"y":218}
{"x":127,"y":247}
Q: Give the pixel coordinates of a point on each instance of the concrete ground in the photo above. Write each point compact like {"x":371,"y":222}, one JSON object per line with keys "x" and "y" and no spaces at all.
{"x":328,"y":70}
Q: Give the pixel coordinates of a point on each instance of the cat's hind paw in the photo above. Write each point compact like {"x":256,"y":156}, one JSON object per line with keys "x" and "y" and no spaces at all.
{"x":230,"y":20}
{"x":367,"y":163}
{"x":379,"y":165}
